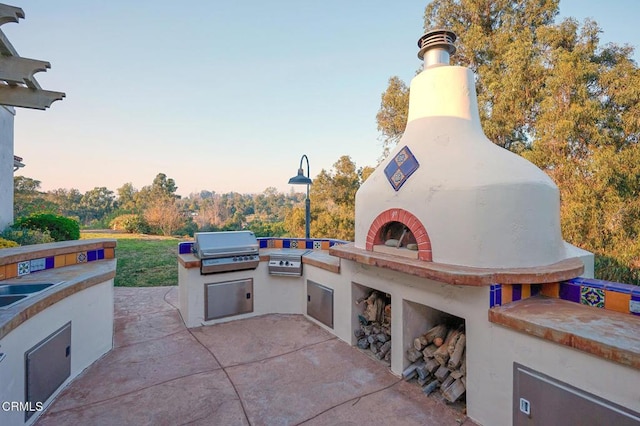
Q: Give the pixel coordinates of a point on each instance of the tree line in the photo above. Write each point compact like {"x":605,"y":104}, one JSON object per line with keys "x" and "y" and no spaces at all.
{"x":157,"y":209}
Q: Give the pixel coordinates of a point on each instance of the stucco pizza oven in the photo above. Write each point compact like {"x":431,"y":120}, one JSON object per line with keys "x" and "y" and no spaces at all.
{"x":447,"y":192}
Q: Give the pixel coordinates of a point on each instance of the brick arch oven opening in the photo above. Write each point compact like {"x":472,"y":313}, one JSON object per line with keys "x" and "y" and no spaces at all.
{"x":402,"y":226}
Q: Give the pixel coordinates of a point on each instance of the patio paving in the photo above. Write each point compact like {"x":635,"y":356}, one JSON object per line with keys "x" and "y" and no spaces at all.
{"x":267,"y":370}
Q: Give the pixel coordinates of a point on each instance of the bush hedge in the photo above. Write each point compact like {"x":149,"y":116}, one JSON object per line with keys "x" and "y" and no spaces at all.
{"x":59,"y":227}
{"x":7,"y":243}
{"x":131,"y":223}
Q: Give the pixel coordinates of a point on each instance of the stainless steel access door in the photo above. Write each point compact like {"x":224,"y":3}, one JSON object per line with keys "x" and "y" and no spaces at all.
{"x":228,"y":298}
{"x":320,"y":303}
{"x":47,"y":366}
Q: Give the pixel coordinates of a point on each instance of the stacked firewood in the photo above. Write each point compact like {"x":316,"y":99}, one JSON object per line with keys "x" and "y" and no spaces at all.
{"x":374,"y":331}
{"x":438,"y":361}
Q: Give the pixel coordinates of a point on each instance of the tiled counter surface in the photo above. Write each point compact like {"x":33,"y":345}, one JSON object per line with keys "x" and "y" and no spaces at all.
{"x":69,"y":280}
{"x":607,"y":334}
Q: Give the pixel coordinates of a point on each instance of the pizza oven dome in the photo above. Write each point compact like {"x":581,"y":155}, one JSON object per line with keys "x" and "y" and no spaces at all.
{"x":458,"y":197}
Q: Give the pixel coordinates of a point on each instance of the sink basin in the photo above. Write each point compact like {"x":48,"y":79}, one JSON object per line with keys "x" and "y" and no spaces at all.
{"x":24,"y":289}
{"x":6,"y":300}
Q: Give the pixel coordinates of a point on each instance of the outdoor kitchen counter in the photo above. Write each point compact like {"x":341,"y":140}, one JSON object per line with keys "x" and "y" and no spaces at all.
{"x":607,"y":334}
{"x":462,"y":275}
{"x":318,"y":258}
{"x":68,"y":281}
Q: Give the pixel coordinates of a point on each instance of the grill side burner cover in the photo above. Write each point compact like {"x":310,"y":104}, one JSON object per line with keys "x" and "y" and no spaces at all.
{"x":286,"y":262}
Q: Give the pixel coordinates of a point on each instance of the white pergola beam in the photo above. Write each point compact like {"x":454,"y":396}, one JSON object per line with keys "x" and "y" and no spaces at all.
{"x":24,"y":97}
{"x":10,"y":13}
{"x":20,"y":70}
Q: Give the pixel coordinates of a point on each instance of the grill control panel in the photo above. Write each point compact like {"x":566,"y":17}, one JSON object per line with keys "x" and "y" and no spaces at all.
{"x":287,"y":263}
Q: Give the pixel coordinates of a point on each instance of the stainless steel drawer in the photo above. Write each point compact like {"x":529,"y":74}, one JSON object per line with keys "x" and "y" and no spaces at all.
{"x":228,"y":298}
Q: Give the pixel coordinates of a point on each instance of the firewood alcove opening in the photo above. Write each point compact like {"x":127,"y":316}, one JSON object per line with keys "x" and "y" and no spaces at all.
{"x":372,"y":322}
{"x":435,"y":346}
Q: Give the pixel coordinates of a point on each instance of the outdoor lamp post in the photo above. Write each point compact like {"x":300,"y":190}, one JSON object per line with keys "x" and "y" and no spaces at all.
{"x":301,"y":179}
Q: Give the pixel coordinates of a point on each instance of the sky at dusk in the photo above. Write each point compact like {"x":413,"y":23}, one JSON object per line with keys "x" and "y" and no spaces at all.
{"x":222,"y":95}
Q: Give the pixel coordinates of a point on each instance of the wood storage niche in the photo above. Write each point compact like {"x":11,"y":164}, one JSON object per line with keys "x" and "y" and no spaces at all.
{"x":372,"y":322}
{"x":435,"y":350}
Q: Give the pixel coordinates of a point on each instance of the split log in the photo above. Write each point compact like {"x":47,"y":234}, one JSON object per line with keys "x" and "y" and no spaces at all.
{"x":387,"y":357}
{"x":431,"y":365}
{"x":358,"y":332}
{"x":456,"y":374}
{"x":422,"y":382}
{"x":413,"y":355}
{"x":447,"y":382}
{"x":372,"y":339}
{"x":419,"y":343}
{"x":463,"y":364}
{"x":456,"y":354}
{"x":386,"y":347}
{"x":382,"y":337}
{"x":431,"y":387}
{"x":429,"y":351}
{"x":454,"y":391}
{"x":410,"y":371}
{"x":439,"y":330}
{"x":442,"y":354}
{"x":363,"y":343}
{"x":451,"y":344}
{"x":441,"y":373}
{"x":422,"y":373}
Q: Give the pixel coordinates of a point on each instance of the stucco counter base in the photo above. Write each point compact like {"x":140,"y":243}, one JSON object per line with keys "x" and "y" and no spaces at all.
{"x":606,"y":334}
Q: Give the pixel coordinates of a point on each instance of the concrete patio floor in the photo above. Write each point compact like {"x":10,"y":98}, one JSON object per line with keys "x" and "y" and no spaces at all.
{"x":266,"y":370}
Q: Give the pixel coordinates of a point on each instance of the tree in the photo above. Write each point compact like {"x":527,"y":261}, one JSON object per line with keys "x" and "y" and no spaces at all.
{"x":392,"y":116}
{"x":548,"y":91}
{"x":96,"y":204}
{"x":164,"y":214}
{"x":28,"y":199}
{"x":126,"y":200}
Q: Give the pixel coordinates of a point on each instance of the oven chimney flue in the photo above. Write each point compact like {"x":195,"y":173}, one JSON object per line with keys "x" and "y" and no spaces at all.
{"x":436,"y":46}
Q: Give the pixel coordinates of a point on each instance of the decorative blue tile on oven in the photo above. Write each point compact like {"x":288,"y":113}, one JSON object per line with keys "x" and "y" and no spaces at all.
{"x":100,"y":254}
{"x":592,"y":296}
{"x":309,"y":244}
{"x":49,"y":262}
{"x":570,"y":291}
{"x":401,"y":167}
{"x":92,"y":255}
{"x":593,"y":283}
{"x":263,"y":243}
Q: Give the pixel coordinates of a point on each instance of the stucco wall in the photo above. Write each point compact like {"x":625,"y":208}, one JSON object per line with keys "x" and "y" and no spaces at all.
{"x":91,"y":314}
{"x":6,"y":166}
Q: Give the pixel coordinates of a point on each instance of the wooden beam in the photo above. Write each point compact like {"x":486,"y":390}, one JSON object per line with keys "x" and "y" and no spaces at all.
{"x":10,"y":13}
{"x":6,"y":48}
{"x":20,"y":70}
{"x":24,"y":97}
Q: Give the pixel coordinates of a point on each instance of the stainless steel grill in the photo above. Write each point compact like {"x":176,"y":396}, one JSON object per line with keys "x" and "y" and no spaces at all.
{"x":226,"y":251}
{"x":286,"y":262}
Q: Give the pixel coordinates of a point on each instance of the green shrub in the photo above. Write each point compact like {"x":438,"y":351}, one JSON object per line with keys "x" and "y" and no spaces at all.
{"x":26,"y":237}
{"x":59,"y":227}
{"x":7,"y":243}
{"x":131,"y":223}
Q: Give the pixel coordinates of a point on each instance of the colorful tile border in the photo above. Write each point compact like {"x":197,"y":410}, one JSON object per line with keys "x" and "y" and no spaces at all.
{"x":28,"y":267}
{"x":619,"y":297}
{"x":186,"y":247}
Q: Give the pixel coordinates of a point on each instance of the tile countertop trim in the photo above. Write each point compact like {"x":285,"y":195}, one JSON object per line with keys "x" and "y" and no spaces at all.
{"x":318,"y":258}
{"x":20,"y":254}
{"x":607,"y":334}
{"x":462,"y":275}
{"x":72,"y":279}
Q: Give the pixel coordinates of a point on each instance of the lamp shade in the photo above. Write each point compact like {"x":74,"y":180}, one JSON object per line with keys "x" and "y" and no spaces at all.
{"x":300,"y":179}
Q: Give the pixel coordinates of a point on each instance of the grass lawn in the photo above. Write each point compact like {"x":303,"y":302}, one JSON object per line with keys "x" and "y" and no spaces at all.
{"x":143,"y":260}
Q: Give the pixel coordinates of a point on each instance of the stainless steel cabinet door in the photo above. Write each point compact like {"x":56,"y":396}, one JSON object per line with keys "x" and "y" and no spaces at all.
{"x":228,"y":298}
{"x":320,"y":303}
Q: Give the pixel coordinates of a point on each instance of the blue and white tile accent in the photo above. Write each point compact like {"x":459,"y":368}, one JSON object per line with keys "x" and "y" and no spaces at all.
{"x":592,"y":296}
{"x":81,"y":257}
{"x":401,"y":167}
{"x":37,"y":265}
{"x":24,"y":268}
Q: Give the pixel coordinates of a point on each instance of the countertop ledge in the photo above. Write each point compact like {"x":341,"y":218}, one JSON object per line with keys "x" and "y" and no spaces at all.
{"x":318,"y":258}
{"x":607,"y":334}
{"x":462,"y":275}
{"x":22,"y":253}
{"x":71,"y":279}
